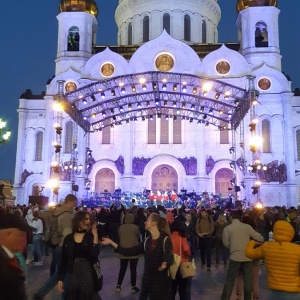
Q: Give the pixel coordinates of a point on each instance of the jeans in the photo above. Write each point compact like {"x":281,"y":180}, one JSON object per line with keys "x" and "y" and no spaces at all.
{"x":233,"y":269}
{"x":123,"y":268}
{"x":36,"y":240}
{"x":52,"y":280}
{"x":183,"y":285}
{"x":278,"y":295}
{"x":205,"y":250}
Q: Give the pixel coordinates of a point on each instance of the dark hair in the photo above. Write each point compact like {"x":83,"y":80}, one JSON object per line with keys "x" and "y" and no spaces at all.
{"x":178,"y":226}
{"x":79,"y":216}
{"x":234,"y":214}
{"x":70,"y":198}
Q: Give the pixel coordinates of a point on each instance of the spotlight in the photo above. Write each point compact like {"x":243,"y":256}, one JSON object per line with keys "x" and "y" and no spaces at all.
{"x":184,"y":88}
{"x":112,"y":111}
{"x":93,"y":115}
{"x":104,"y":114}
{"x":183,"y":105}
{"x":144,"y":87}
{"x":204,"y":93}
{"x":114,"y":118}
{"x":165,"y":103}
{"x":232,"y":164}
{"x":221,"y":112}
{"x":135,"y":119}
{"x":148,"y":103}
{"x":206,"y":124}
{"x":255,"y":189}
{"x":157,"y":101}
{"x":139,"y":105}
{"x":123,"y":91}
{"x":133,"y":88}
{"x":151,"y":118}
{"x":58,"y":129}
{"x":175,"y":118}
{"x":210,"y":110}
{"x":191,"y":120}
{"x":143,"y":118}
{"x":174,"y":104}
{"x":231,"y":150}
{"x":205,"y":117}
{"x":236,"y":101}
{"x":84,"y":101}
{"x":159,"y":115}
{"x":217,"y":96}
{"x":121,"y":108}
{"x":112,"y":126}
{"x":57,"y":148}
{"x":233,"y":182}
{"x":252,"y":126}
{"x":194,"y":91}
{"x":93,"y":98}
{"x":103,"y":95}
{"x":154,"y":85}
{"x":175,"y":87}
{"x":193,"y":107}
{"x":164,"y":87}
{"x":265,"y":167}
{"x":202,"y":108}
{"x":113,"y":93}
{"x":167,"y":117}
{"x":129,"y":106}
{"x":127,"y":121}
{"x":227,"y":94}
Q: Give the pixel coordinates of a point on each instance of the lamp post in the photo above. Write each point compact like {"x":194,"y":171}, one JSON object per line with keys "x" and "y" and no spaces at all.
{"x":4,"y":132}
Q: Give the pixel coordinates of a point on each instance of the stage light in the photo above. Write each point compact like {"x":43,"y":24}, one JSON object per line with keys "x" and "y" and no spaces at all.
{"x":58,"y":128}
{"x":154,"y":85}
{"x":159,"y":115}
{"x":202,"y":108}
{"x":144,"y":87}
{"x":194,"y":91}
{"x":139,"y":105}
{"x":113,"y":93}
{"x":84,"y":101}
{"x":123,"y":90}
{"x":151,"y":118}
{"x":175,"y":87}
{"x":93,"y":115}
{"x":265,"y":167}
{"x":93,"y":98}
{"x":133,"y":88}
{"x":183,"y":105}
{"x":254,"y":102}
{"x":157,"y":101}
{"x":227,"y":94}
{"x":193,"y":107}
{"x":103,"y":95}
{"x":135,"y":119}
{"x":233,"y":182}
{"x":114,"y":118}
{"x":112,"y":126}
{"x":252,"y":127}
{"x":232,"y":164}
{"x":175,"y":118}
{"x":165,"y":103}
{"x":57,"y":148}
{"x":167,"y":117}
{"x":255,"y":189}
{"x":84,"y":117}
{"x":174,"y":104}
{"x":221,"y":112}
{"x":205,"y":117}
{"x":112,"y":111}
{"x":121,"y":108}
{"x":191,"y":120}
{"x":210,"y":110}
{"x":217,"y":96}
{"x":129,"y":106}
{"x":143,"y":118}
{"x":236,"y":101}
{"x":148,"y":103}
{"x":184,"y":88}
{"x":127,"y":121}
{"x":104,"y":114}
{"x":206,"y":124}
{"x":231,"y":150}
{"x":164,"y":87}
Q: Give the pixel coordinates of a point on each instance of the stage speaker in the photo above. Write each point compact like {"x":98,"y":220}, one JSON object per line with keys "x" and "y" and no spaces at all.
{"x":38,"y":200}
{"x":237,"y":188}
{"x":75,"y":188}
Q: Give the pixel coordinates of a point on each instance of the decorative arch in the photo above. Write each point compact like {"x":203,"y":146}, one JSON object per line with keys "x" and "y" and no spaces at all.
{"x":187,"y":28}
{"x":222,"y":181}
{"x":146,"y":29}
{"x":164,"y":160}
{"x":261,"y":35}
{"x":167,"y":22}
{"x":105,"y":181}
{"x":164,"y":178}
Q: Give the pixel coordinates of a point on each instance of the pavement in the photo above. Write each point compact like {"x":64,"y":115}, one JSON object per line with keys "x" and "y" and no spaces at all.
{"x":205,"y":285}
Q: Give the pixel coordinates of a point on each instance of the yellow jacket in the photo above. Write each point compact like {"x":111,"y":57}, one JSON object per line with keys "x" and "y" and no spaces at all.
{"x":281,"y":257}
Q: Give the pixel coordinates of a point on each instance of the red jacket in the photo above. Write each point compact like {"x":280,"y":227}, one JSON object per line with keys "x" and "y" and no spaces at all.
{"x":185,"y":248}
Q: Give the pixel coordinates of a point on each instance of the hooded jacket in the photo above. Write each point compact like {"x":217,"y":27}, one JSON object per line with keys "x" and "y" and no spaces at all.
{"x":281,"y":257}
{"x":129,"y":234}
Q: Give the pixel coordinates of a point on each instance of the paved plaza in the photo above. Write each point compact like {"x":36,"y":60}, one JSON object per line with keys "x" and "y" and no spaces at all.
{"x":205,"y":286}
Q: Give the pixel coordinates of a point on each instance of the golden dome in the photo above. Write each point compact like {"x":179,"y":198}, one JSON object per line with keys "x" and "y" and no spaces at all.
{"x":242,"y":4}
{"x":88,"y":6}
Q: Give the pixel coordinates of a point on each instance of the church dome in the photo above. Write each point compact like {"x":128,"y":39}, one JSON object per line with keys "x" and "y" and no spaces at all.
{"x":242,"y":4}
{"x":88,"y":6}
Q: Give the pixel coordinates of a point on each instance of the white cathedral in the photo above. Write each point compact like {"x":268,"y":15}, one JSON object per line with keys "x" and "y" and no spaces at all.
{"x":167,"y":109}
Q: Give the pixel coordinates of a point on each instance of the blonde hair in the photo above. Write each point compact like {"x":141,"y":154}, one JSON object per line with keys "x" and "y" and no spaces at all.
{"x":222,"y":219}
{"x":164,"y":227}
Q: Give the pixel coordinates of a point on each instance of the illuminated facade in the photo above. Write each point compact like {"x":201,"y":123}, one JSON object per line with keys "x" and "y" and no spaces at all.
{"x":166,"y":109}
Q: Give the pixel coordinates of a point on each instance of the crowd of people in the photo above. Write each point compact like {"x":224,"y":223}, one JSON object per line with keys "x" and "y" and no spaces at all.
{"x":239,"y":239}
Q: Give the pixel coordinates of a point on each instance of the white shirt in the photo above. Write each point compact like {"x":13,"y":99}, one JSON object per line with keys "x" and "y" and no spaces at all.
{"x":38,"y":225}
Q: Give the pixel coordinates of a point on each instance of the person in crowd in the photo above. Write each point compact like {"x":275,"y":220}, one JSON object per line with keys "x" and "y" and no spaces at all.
{"x":64,"y":214}
{"x":38,"y":231}
{"x":181,"y":247}
{"x":103,"y":223}
{"x":293,"y":216}
{"x":220,"y":224}
{"x":170,"y":216}
{"x":189,"y":227}
{"x":129,"y":236}
{"x":262,"y":225}
{"x":80,"y":251}
{"x":255,"y":268}
{"x":205,"y":229}
{"x":132,"y":203}
{"x":235,"y":237}
{"x":45,"y":214}
{"x":29,"y":250}
{"x":140,"y":221}
{"x":157,"y":248}
{"x":13,"y":239}
{"x":282,"y":259}
{"x":180,"y":216}
{"x":115,"y":221}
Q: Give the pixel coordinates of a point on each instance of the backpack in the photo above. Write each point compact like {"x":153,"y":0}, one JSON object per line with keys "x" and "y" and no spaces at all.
{"x":54,"y":236}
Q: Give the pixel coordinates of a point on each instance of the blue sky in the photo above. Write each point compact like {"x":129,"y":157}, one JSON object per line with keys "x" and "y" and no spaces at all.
{"x":29,"y":43}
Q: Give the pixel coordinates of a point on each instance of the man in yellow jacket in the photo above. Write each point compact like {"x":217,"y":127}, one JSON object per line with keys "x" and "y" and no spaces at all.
{"x":282,"y":259}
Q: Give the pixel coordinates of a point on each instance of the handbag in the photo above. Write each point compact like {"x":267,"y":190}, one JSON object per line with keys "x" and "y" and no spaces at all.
{"x":187,"y":270}
{"x":97,"y":276}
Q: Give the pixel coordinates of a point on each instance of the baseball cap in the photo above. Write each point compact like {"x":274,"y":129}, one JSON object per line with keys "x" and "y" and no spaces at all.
{"x":13,"y":221}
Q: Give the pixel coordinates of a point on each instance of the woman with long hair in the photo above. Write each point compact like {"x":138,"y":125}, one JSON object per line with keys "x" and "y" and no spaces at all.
{"x":80,"y":251}
{"x":182,"y":248}
{"x":157,"y":248}
{"x":220,"y":224}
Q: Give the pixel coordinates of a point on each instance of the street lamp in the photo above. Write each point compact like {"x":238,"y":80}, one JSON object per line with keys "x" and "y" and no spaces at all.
{"x":4,"y":132}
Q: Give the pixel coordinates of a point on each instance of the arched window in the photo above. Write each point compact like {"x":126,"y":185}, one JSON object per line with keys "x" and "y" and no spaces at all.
{"x":167,"y":23}
{"x":106,"y":135}
{"x":68,"y":137}
{"x":73,"y":39}
{"x":129,"y":34}
{"x":176,"y":131}
{"x":39,"y":146}
{"x":266,"y":141}
{"x":146,"y":29}
{"x":261,"y":35}
{"x":298,"y":143}
{"x":152,"y":130}
{"x":204,"y":38}
{"x":187,"y":28}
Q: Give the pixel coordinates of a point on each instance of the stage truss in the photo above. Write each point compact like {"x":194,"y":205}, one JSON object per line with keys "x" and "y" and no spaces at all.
{"x":127,"y":98}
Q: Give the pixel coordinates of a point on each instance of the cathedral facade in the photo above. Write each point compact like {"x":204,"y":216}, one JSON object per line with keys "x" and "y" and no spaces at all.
{"x":167,"y":109}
